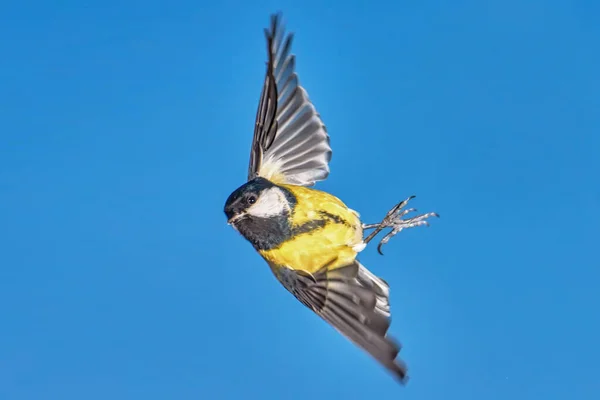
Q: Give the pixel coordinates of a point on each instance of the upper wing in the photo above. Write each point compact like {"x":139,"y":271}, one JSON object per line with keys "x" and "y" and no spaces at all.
{"x":290,"y":142}
{"x":356,"y":303}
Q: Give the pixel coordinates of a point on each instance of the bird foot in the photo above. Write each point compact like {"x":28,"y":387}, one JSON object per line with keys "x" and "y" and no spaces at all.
{"x":394,"y":219}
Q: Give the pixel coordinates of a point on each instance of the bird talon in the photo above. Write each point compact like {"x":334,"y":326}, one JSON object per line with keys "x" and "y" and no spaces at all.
{"x":394,"y":219}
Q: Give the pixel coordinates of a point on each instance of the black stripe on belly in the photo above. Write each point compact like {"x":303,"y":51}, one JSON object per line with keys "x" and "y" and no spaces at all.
{"x":315,"y":224}
{"x":309,"y":226}
{"x":335,"y":218}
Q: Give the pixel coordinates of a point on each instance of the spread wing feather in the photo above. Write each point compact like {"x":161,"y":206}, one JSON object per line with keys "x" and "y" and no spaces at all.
{"x":290,"y":143}
{"x":356,"y":303}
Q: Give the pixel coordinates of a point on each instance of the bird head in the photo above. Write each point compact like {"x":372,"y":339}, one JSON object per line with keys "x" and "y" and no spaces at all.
{"x":258,"y":198}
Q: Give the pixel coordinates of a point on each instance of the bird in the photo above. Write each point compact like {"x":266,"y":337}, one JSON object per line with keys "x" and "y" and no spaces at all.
{"x":309,"y":238}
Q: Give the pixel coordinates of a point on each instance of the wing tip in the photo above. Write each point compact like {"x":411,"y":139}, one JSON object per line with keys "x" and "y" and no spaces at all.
{"x":276,"y":17}
{"x":277,"y":27}
{"x":392,"y":362}
{"x":400,"y":372}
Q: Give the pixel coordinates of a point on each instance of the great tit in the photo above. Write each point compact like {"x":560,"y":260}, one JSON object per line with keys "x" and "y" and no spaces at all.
{"x":309,"y":238}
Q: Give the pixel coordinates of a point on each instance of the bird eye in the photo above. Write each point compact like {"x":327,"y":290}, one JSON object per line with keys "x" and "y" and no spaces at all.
{"x":251,"y":199}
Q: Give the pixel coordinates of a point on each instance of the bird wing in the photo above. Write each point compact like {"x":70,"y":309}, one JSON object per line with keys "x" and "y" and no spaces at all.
{"x":356,"y":303}
{"x":290,"y":142}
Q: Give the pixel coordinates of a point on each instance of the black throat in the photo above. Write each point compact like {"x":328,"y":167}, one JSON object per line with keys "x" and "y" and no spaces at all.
{"x":265,"y":233}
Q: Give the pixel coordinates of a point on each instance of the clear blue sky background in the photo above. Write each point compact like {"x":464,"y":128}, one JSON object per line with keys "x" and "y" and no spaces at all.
{"x":123,"y":129}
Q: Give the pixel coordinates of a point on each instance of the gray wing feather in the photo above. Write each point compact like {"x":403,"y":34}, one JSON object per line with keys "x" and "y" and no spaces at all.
{"x":356,"y":303}
{"x":290,"y":140}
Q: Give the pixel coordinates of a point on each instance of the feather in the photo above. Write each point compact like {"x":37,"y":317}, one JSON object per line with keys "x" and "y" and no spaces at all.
{"x":290,"y":143}
{"x":356,"y":303}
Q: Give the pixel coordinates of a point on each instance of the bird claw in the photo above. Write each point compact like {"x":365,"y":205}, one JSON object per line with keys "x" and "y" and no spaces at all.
{"x":394,"y":219}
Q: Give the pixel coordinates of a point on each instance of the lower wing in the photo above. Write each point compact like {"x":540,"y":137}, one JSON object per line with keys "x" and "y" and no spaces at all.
{"x":356,"y":303}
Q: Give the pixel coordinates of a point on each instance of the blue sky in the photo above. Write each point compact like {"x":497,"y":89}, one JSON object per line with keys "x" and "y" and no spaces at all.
{"x":123,"y":129}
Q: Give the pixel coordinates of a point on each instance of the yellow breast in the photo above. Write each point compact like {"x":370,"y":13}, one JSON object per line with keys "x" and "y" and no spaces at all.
{"x":330,"y":244}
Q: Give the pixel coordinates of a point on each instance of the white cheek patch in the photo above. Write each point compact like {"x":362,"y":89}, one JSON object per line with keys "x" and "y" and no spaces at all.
{"x":271,"y":202}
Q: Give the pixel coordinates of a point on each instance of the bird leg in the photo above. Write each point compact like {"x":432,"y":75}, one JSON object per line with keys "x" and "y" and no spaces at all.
{"x":394,"y":220}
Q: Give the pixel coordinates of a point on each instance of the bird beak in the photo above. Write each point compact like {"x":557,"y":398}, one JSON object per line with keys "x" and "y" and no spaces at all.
{"x":234,"y":218}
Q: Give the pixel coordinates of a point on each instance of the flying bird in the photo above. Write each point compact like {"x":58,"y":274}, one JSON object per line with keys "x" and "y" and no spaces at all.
{"x":309,"y":238}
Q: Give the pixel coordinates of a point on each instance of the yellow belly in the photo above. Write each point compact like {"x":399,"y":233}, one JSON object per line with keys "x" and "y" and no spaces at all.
{"x":331,"y":245}
{"x":312,"y":251}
